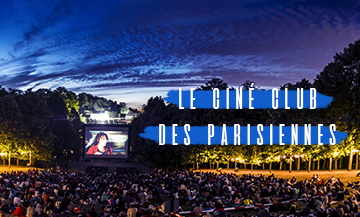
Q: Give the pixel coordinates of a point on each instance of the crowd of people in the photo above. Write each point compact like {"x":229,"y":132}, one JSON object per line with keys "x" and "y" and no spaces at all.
{"x":127,"y":192}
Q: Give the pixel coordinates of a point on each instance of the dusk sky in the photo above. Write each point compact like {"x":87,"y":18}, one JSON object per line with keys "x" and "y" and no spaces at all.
{"x":131,"y":50}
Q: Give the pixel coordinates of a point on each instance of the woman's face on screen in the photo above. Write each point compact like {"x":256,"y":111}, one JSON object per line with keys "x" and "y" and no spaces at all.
{"x":102,"y":141}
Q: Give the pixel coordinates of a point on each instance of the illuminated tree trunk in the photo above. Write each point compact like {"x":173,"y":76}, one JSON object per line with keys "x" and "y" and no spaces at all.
{"x":235,"y":164}
{"x":197,"y":165}
{"x":290,"y":165}
{"x":298,"y":164}
{"x":4,"y":160}
{"x":251,"y":168}
{"x":357,"y":160}
{"x":309,"y":167}
{"x":335,"y":164}
{"x":17,"y":162}
{"x":217,"y":165}
{"x":263,"y":166}
{"x":314,"y":165}
{"x":330,"y":163}
{"x":228,"y":164}
{"x":340,"y":162}
{"x":9,"y":159}
{"x":350,"y":161}
{"x":280,"y":165}
{"x":270,"y":167}
{"x":318,"y":164}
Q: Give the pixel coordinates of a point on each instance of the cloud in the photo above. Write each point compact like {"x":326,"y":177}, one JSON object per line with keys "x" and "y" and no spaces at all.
{"x":42,"y":22}
{"x":170,"y":43}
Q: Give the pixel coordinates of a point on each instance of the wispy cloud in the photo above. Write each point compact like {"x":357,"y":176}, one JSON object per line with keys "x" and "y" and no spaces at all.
{"x":170,"y":43}
{"x":44,"y":20}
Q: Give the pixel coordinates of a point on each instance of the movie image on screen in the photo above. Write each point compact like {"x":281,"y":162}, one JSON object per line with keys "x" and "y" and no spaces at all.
{"x":106,"y":141}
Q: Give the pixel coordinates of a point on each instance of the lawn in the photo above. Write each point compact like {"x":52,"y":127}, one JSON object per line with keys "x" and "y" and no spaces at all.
{"x":344,"y":175}
{"x":14,"y":168}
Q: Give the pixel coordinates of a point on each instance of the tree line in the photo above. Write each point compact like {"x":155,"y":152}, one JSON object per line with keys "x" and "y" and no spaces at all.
{"x":42,"y":125}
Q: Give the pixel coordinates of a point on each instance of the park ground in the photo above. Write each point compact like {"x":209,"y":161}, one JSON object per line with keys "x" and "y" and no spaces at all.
{"x":14,"y":168}
{"x":344,"y":175}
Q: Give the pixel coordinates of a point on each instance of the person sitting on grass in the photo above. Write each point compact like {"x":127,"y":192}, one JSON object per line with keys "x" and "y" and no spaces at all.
{"x":237,"y":200}
{"x":346,"y":207}
{"x":332,"y":180}
{"x":292,"y":209}
{"x":257,"y":197}
{"x":39,"y":210}
{"x":19,"y":211}
{"x":198,"y":209}
{"x":132,"y":211}
{"x":318,"y":204}
{"x":30,"y":211}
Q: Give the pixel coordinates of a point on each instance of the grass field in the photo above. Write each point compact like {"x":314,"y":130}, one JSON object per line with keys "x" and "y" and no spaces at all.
{"x":14,"y":168}
{"x":344,"y":175}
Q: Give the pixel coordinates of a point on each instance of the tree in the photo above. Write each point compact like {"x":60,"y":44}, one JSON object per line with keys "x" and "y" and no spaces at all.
{"x":249,"y":84}
{"x":214,"y":83}
{"x":70,"y":99}
{"x":304,"y":83}
{"x":341,"y":80}
{"x":38,"y":137}
{"x":252,"y":155}
{"x":341,"y":77}
{"x":10,"y":124}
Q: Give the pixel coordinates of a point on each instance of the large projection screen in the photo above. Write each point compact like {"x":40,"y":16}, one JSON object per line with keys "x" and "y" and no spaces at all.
{"x":106,"y":141}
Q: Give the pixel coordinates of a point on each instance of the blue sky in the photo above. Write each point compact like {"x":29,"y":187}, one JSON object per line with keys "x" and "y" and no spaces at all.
{"x":131,"y":50}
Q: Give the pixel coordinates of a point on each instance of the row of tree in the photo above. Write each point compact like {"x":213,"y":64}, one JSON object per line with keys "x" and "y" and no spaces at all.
{"x":339,"y":79}
{"x":42,"y":125}
{"x":311,"y":157}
